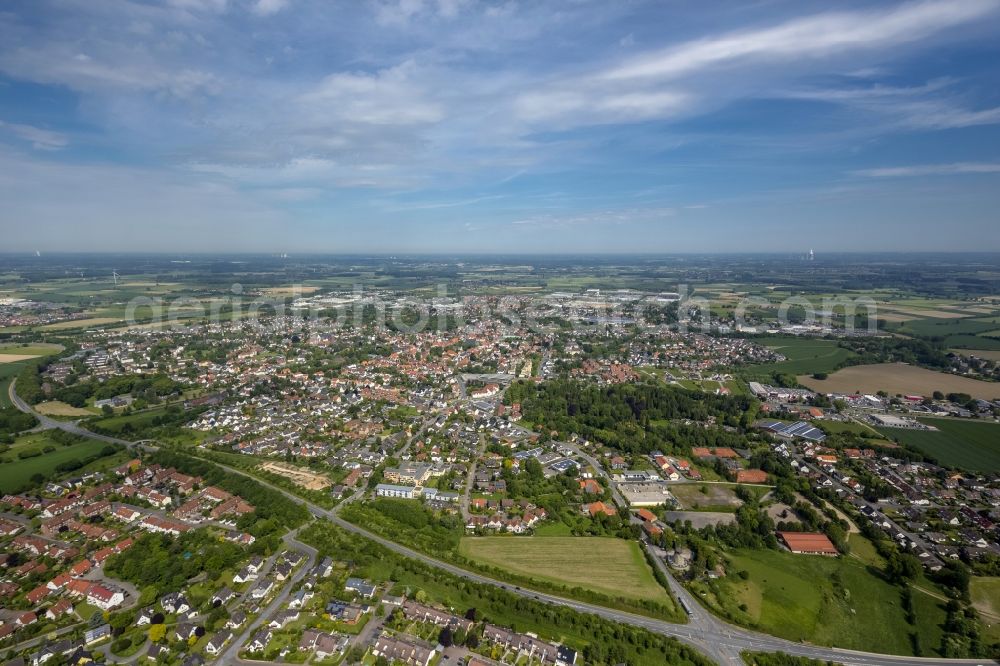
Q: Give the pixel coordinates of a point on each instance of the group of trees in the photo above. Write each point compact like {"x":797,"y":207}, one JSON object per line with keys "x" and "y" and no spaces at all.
{"x":634,"y":418}
{"x":166,"y":563}
{"x":12,"y":422}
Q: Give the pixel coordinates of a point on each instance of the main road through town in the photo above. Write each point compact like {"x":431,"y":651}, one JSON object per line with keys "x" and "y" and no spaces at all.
{"x":721,"y":641}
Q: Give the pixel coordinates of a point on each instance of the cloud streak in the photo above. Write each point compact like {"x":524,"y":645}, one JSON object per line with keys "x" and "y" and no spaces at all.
{"x":955,"y":169}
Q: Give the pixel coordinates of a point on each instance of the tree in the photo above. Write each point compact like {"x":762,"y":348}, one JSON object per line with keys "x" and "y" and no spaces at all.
{"x":157,"y":632}
{"x":445,"y":638}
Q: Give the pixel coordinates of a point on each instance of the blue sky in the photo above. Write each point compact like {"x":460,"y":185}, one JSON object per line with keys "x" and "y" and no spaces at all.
{"x":510,"y":126}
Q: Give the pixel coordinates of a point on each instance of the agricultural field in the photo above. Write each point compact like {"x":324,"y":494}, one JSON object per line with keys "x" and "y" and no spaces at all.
{"x":16,"y":473}
{"x":900,"y":379}
{"x":804,"y":355}
{"x":989,"y":354}
{"x":605,"y":565}
{"x":26,"y":352}
{"x":971,"y":445}
{"x":826,"y":601}
{"x":80,"y":323}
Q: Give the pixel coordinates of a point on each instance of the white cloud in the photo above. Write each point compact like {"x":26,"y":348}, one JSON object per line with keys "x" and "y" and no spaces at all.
{"x":129,"y":208}
{"x":954,"y":169}
{"x":930,"y":106}
{"x":814,"y":36}
{"x":40,"y":139}
{"x":388,"y":97}
{"x":706,"y":72}
{"x":601,"y":218}
{"x":269,"y":7}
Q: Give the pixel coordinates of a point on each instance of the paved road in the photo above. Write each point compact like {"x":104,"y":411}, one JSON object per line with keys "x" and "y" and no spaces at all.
{"x":470,"y":479}
{"x":717,"y":639}
{"x":231,"y":653}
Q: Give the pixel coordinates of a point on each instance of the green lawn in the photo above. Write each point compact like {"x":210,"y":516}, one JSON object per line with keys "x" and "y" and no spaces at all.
{"x":827,"y":601}
{"x":964,"y":443}
{"x":16,"y":473}
{"x":804,"y":356}
{"x":609,"y":566}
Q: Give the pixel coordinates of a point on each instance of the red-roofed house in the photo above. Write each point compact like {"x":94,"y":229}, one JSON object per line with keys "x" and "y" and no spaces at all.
{"x":809,"y":543}
{"x":596,"y":508}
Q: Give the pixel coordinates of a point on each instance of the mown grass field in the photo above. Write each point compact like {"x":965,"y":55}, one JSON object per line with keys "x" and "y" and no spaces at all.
{"x":971,"y":445}
{"x":804,"y":356}
{"x":606,"y":565}
{"x":985,"y":593}
{"x":16,"y":473}
{"x":827,"y":601}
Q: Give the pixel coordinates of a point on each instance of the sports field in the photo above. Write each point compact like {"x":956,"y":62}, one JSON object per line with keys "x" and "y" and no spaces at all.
{"x":971,"y":445}
{"x":900,"y":378}
{"x":606,"y":565}
{"x":827,"y":601}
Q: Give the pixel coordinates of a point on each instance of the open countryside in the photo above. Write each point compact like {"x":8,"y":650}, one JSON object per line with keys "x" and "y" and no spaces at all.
{"x":900,"y":379}
{"x":609,"y":566}
{"x":957,"y":443}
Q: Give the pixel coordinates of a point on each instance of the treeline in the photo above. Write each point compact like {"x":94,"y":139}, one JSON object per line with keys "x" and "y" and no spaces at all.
{"x":635,"y":418}
{"x":273,"y":513}
{"x":29,"y":384}
{"x":167,"y":563}
{"x":603,"y":642}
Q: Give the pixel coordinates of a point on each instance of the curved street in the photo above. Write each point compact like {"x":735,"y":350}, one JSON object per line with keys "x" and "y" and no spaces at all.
{"x":717,"y":639}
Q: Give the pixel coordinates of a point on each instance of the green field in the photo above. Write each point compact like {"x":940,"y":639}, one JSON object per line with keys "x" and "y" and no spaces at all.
{"x":804,"y":356}
{"x":37,"y":349}
{"x":985,"y":592}
{"x":609,"y":566}
{"x":967,"y":444}
{"x":933,"y":327}
{"x":117,"y":424}
{"x":16,"y":473}
{"x":7,"y":372}
{"x":826,"y":601}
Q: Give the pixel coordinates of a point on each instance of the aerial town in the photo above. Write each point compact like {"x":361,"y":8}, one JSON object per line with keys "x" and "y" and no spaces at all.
{"x":184,"y":540}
